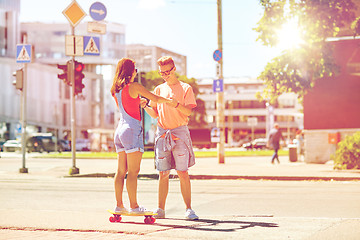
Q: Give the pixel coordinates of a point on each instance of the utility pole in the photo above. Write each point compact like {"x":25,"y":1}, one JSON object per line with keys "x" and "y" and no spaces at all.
{"x":220,"y":118}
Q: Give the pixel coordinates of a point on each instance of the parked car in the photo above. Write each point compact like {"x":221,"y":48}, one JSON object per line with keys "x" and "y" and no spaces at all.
{"x":82,"y":145}
{"x":12,"y":146}
{"x":44,"y":142}
{"x":259,"y":143}
{"x":65,"y":144}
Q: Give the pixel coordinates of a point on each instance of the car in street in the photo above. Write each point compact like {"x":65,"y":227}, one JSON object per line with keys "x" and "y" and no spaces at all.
{"x":259,"y":143}
{"x":12,"y":146}
{"x":44,"y":142}
{"x":82,"y":145}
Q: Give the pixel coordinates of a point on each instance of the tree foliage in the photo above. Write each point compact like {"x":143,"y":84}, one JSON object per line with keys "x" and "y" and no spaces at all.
{"x":296,"y":70}
{"x":197,"y":119}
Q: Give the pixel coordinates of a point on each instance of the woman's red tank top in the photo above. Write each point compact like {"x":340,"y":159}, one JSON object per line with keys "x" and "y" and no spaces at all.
{"x":131,"y":105}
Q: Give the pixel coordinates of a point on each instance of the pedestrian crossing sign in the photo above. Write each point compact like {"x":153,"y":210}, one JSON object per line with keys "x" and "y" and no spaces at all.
{"x":23,"y":53}
{"x":91,"y":45}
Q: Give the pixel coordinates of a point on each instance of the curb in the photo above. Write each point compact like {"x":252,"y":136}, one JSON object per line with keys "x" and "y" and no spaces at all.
{"x":227,"y":177}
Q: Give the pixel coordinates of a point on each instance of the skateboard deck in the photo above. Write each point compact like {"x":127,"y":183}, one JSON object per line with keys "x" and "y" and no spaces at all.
{"x":149,"y":216}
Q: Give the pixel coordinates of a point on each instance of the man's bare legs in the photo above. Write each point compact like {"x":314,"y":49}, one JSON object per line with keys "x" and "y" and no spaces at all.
{"x":164,"y":187}
{"x":185,"y":186}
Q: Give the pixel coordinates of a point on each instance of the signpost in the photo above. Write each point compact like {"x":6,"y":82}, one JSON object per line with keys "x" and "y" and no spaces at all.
{"x":79,"y":46}
{"x":74,"y":14}
{"x":23,"y":55}
{"x":74,"y":45}
{"x":91,"y":45}
{"x":218,"y":85}
{"x":97,"y":11}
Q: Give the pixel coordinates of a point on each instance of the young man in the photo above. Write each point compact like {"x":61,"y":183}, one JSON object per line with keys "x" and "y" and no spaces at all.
{"x":173,"y":146}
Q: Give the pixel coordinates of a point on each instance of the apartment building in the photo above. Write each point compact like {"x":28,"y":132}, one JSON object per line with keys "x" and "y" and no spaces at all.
{"x":146,"y":57}
{"x":242,"y":106}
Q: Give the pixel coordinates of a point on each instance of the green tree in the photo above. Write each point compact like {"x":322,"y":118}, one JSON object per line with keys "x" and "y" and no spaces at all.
{"x":296,"y":70}
{"x":197,"y":119}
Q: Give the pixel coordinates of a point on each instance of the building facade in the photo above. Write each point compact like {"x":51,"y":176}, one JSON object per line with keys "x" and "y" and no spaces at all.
{"x":242,"y":107}
{"x":336,"y":113}
{"x":146,"y":57}
{"x":48,"y":98}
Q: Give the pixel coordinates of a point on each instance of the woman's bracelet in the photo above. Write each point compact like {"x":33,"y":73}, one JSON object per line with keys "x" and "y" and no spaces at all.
{"x":177,"y":105}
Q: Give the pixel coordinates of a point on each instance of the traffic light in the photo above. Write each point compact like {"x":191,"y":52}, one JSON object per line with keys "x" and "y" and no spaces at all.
{"x":78,"y":75}
{"x":19,"y":77}
{"x":65,"y":75}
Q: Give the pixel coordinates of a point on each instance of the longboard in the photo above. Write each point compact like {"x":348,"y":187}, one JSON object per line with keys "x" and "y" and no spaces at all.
{"x":149,"y":216}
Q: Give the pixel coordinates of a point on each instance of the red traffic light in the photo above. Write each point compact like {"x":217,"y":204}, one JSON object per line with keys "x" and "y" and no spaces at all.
{"x":79,"y":67}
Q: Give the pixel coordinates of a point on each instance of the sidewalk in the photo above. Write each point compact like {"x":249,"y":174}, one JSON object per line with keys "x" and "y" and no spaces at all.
{"x":251,"y":168}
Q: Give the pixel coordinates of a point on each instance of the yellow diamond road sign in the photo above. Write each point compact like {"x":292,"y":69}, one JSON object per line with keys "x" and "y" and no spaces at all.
{"x":74,"y":13}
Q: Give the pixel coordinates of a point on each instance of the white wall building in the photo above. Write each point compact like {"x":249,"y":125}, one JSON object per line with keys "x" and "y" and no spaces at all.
{"x":241,"y":104}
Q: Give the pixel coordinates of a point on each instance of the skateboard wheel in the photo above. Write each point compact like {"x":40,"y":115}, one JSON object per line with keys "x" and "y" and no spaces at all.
{"x":112,"y":219}
{"x":149,"y":220}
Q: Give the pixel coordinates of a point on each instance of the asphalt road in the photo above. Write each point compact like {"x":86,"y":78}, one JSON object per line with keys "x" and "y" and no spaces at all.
{"x":295,"y":209}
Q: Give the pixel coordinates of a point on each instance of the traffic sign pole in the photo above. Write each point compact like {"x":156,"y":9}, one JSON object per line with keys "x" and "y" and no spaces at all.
{"x":23,"y":116}
{"x":74,"y":169}
{"x":220,"y":118}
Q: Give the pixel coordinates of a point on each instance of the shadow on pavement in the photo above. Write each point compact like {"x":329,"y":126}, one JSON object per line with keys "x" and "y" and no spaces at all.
{"x":211,"y":225}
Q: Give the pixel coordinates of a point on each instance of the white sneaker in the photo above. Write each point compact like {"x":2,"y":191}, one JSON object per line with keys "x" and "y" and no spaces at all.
{"x":120,"y":210}
{"x":160,"y":213}
{"x":190,"y":214}
{"x":139,"y":210}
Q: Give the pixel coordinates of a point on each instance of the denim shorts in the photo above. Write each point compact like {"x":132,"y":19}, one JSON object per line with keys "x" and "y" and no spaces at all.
{"x":177,"y":159}
{"x":129,"y":138}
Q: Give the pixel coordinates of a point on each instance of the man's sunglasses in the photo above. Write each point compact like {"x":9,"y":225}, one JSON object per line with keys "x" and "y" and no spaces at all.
{"x":166,"y":73}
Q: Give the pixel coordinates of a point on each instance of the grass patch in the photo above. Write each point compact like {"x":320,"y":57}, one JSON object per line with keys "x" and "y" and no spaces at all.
{"x":150,"y":154}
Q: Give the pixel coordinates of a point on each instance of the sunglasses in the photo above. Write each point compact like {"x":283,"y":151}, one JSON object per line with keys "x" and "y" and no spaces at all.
{"x":166,"y":73}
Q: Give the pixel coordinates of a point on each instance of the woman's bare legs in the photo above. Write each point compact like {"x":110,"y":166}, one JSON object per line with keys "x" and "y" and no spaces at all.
{"x":133,"y":164}
{"x":119,"y":178}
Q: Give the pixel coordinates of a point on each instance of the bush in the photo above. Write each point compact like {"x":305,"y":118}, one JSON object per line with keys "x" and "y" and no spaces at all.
{"x":347,"y":155}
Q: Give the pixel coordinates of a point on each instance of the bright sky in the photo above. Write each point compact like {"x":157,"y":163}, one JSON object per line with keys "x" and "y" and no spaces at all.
{"x":187,"y":27}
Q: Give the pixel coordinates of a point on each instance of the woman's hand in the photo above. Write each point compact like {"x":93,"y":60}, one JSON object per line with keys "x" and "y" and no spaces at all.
{"x":143,"y":102}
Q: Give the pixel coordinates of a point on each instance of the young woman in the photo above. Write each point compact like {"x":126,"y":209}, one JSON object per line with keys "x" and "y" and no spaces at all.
{"x":128,"y":137}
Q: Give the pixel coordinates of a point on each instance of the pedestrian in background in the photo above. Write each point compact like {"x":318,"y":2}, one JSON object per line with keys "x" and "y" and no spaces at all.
{"x":274,"y":142}
{"x":128,"y":137}
{"x":173,"y":146}
{"x":300,"y":143}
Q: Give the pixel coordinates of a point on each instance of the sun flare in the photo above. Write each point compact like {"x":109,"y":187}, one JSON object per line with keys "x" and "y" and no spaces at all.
{"x":289,"y":36}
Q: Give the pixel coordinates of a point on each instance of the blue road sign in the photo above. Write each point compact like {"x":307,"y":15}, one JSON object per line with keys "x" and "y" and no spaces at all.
{"x":218,"y":85}
{"x":97,"y":11}
{"x":217,"y":55}
{"x":23,"y":53}
{"x":91,"y":45}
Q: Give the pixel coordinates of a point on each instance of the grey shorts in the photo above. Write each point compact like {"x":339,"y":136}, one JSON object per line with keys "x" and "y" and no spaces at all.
{"x":177,"y":159}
